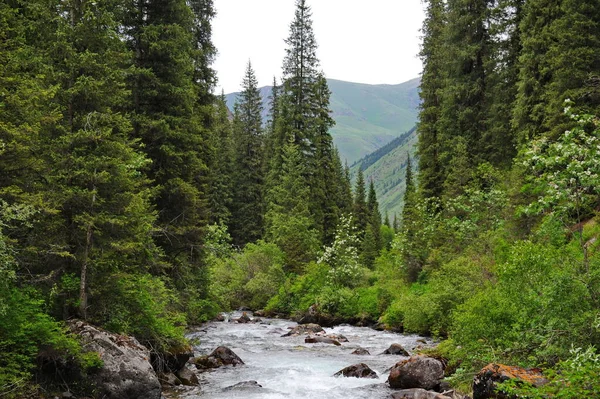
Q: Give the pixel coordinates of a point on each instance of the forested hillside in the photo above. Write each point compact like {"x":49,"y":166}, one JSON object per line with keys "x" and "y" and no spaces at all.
{"x":132,"y":200}
{"x":366,"y":116}
{"x":386,"y":167}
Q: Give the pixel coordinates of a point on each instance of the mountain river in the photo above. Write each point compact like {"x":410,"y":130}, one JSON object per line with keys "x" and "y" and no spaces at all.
{"x":286,"y":367}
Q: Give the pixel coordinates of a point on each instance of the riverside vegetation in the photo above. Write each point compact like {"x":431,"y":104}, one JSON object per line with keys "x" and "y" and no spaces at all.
{"x":131,"y":200}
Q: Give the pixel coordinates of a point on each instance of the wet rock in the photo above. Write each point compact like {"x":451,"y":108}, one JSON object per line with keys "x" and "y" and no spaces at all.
{"x":337,"y":337}
{"x":359,"y":370}
{"x":220,"y":317}
{"x":243,"y":385}
{"x":360,"y":351}
{"x":395,"y":349}
{"x":260,"y":313}
{"x":484,"y":383}
{"x":304,"y":329}
{"x":321,"y":340}
{"x":418,"y":393}
{"x":244,"y":318}
{"x":417,"y":372}
{"x":222,"y":356}
{"x":187,"y":377}
{"x":126,"y":372}
{"x":257,"y":320}
{"x":171,"y":361}
{"x":168,"y":380}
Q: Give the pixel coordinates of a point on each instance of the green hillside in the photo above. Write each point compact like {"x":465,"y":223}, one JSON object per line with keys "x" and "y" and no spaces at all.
{"x":367,"y":116}
{"x":387,"y":168}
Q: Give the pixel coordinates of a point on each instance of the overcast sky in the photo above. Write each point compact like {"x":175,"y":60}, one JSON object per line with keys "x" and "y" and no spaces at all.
{"x":374,"y":41}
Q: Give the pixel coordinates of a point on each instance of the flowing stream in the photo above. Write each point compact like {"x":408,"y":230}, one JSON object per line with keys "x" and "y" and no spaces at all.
{"x":286,"y":367}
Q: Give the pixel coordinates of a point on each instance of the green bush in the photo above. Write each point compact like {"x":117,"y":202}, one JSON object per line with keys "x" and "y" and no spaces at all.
{"x":141,"y":305}
{"x":249,"y":278}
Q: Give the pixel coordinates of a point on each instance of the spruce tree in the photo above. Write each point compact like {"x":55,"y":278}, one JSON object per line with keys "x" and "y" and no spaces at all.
{"x":502,"y":70}
{"x":463,"y":107}
{"x":289,"y":224}
{"x":172,"y":112}
{"x":323,"y":180}
{"x":248,"y":206}
{"x":559,"y":60}
{"x":221,"y":168}
{"x":96,"y":176}
{"x":372,"y":242}
{"x":431,"y":167}
{"x":300,"y":73}
{"x":360,"y":210}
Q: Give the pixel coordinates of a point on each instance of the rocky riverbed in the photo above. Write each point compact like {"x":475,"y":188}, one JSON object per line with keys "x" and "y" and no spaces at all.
{"x":278,"y":366}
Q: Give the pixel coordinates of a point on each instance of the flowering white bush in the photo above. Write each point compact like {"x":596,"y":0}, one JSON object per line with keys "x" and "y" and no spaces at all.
{"x":568,"y":168}
{"x":342,"y":256}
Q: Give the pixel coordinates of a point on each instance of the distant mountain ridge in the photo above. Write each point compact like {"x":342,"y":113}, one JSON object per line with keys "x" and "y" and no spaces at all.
{"x":387,"y":168}
{"x":367,"y":116}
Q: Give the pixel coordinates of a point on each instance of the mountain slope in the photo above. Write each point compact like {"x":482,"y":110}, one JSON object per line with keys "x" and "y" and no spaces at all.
{"x":387,"y":168}
{"x":367,"y":116}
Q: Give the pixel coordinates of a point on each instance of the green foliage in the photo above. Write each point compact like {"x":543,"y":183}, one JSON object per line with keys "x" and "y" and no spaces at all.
{"x":143,"y":306}
{"x":249,"y":278}
{"x":567,"y":169}
{"x":575,"y":377}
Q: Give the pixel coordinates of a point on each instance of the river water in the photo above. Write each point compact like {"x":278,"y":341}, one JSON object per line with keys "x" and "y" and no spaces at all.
{"x":286,"y":367}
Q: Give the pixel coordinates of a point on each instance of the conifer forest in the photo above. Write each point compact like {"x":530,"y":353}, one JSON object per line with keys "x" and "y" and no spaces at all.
{"x":131,"y":197}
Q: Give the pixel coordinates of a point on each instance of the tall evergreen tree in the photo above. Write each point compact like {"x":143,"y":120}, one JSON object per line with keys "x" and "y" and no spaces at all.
{"x":172,"y":112}
{"x":248,"y":206}
{"x":431,"y":167}
{"x":372,"y":243}
{"x":221,"y":181}
{"x":288,"y":220}
{"x":463,"y":112}
{"x":360,"y":210}
{"x":107,"y":222}
{"x":409,"y":193}
{"x":559,"y":60}
{"x":300,"y":74}
{"x":323,"y":181}
{"x":502,"y":70}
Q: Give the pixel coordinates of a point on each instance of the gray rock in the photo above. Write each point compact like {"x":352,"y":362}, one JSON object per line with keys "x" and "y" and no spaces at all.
{"x":187,"y":377}
{"x":126,"y":372}
{"x":360,"y":351}
{"x":395,"y":349}
{"x":359,"y":370}
{"x":321,"y":340}
{"x":302,"y":329}
{"x":222,"y":356}
{"x":168,"y":380}
{"x":243,"y":386}
{"x":418,"y":393}
{"x":417,"y":372}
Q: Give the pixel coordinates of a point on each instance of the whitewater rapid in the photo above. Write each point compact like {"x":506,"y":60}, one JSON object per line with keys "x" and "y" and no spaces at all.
{"x":286,"y":367}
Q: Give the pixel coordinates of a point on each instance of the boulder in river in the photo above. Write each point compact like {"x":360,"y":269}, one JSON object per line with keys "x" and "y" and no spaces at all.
{"x":484,"y":383}
{"x":417,"y":372}
{"x":126,"y":372}
{"x":187,"y":377}
{"x":321,"y":340}
{"x":168,"y":380}
{"x":418,"y":393}
{"x":360,"y":351}
{"x":304,"y":329}
{"x":244,"y":318}
{"x":243,"y":386}
{"x":222,"y":356}
{"x":359,"y":370}
{"x":337,"y":337}
{"x":395,"y":349}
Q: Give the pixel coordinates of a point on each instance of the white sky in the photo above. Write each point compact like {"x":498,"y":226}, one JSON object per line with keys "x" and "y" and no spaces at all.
{"x":374,"y":41}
